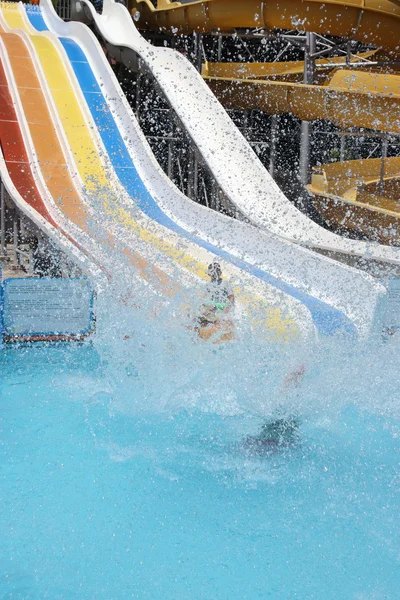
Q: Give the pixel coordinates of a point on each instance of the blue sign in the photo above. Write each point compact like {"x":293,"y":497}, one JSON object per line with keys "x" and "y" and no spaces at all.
{"x":389,"y":308}
{"x":47,"y":307}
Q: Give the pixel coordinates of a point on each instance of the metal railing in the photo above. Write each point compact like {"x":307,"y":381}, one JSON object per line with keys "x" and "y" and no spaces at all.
{"x":63,"y":9}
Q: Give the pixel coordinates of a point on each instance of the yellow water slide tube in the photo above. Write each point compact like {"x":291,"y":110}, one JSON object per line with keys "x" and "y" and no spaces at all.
{"x":348,"y":98}
{"x":373,"y":21}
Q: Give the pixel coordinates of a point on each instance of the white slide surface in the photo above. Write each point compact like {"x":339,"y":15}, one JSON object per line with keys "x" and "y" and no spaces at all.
{"x":237,"y":169}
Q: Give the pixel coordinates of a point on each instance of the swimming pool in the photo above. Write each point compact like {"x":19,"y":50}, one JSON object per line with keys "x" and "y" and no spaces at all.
{"x":115,"y":486}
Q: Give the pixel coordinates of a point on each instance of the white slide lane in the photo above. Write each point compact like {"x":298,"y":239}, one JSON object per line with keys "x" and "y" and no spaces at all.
{"x":237,"y":169}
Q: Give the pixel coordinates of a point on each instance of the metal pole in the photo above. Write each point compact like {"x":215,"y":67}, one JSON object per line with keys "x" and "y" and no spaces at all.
{"x":218,"y":200}
{"x":342,"y":148}
{"x":2,"y":221}
{"x":192,"y":176}
{"x":214,"y":204}
{"x":246,"y":124}
{"x":189,"y":166}
{"x":348,"y":53}
{"x":138,"y":81}
{"x":305,"y":135}
{"x":199,"y":63}
{"x":272,"y":152}
{"x":195,"y":176}
{"x":178,"y":162}
{"x":15,"y":238}
{"x":197,"y":46}
{"x":384,"y":155}
{"x":309,"y":60}
{"x":205,"y":193}
{"x":219,"y":56}
{"x":170,"y":157}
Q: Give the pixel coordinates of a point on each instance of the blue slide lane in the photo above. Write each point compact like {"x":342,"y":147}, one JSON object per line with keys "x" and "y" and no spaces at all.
{"x":326,"y":318}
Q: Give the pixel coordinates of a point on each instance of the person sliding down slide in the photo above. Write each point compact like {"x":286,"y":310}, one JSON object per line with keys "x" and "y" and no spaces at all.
{"x":280,"y":432}
{"x":219,"y":302}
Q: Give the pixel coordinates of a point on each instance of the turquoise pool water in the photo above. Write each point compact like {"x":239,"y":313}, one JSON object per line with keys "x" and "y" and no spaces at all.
{"x":108,"y":494}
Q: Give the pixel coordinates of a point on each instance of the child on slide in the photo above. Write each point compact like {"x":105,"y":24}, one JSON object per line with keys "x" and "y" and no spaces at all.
{"x":220,"y":300}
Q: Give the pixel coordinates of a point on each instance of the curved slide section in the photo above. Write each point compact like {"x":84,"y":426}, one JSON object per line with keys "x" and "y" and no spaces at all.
{"x":347,"y":98}
{"x":237,"y":169}
{"x":373,"y":21}
{"x":292,"y":282}
{"x":350,"y":195}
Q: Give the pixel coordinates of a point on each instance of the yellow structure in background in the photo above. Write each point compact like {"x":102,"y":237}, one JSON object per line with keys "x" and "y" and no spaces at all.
{"x":353,"y":19}
{"x":351,"y":196}
{"x":361,"y":195}
{"x":347,"y":98}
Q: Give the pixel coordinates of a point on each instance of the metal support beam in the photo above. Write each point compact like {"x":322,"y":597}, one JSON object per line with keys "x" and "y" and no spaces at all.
{"x":138,"y":98}
{"x":309,"y":58}
{"x":195,"y":176}
{"x":245,"y":129}
{"x":197,"y":51}
{"x":219,"y":50}
{"x":205,"y":194}
{"x":215,"y":204}
{"x":305,"y":135}
{"x":342,"y":148}
{"x":182,"y":185}
{"x":273,"y":144}
{"x":348,"y":53}
{"x":384,"y":156}
{"x":304,"y":163}
{"x":170,"y":166}
{"x":192,"y":176}
{"x":15,"y":239}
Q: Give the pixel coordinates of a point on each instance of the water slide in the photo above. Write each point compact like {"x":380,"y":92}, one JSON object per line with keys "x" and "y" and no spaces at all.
{"x":373,"y":21}
{"x":236,"y":168}
{"x":102,"y":182}
{"x":354,"y":196}
{"x":348,"y":98}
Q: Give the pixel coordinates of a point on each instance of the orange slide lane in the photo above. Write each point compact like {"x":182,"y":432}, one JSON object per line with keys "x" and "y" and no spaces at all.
{"x":15,"y":155}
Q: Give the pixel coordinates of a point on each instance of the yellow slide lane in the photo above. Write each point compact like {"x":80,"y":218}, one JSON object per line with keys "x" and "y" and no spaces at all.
{"x":290,"y":69}
{"x":349,"y":195}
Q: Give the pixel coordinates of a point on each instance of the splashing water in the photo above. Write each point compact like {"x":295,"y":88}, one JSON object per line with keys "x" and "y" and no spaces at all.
{"x":126,"y":471}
